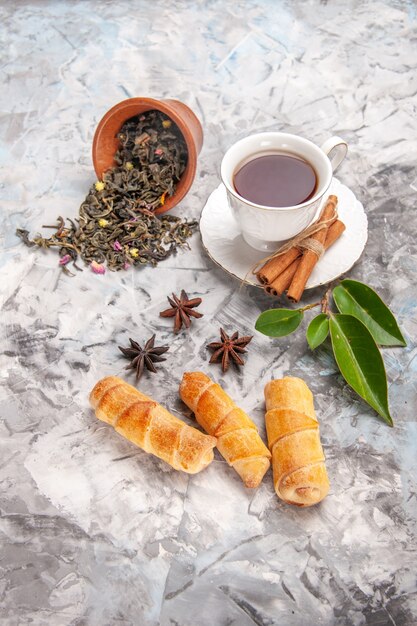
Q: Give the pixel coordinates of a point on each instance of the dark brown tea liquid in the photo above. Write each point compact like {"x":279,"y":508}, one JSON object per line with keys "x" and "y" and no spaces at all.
{"x":277,"y":180}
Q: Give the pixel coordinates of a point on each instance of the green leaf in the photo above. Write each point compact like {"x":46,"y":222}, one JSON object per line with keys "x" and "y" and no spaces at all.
{"x":355,"y":298}
{"x":360,"y":362}
{"x":317,"y":330}
{"x":279,"y":322}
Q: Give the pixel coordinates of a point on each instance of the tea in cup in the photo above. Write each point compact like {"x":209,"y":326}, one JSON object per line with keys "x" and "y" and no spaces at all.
{"x":275,"y":183}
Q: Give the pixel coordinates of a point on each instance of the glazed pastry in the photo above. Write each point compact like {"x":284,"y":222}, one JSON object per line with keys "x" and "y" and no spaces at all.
{"x":151,"y":427}
{"x":237,"y":436}
{"x":300,"y":475}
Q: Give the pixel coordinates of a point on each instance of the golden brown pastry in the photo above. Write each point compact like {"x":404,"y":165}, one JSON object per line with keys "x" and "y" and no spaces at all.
{"x":151,"y":427}
{"x":237,"y":436}
{"x":300,"y":475}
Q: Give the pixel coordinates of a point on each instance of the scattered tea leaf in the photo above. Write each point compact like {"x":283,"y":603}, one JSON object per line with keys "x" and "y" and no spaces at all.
{"x":279,"y":322}
{"x":317,"y":330}
{"x":360,"y":362}
{"x":24,"y":236}
{"x":355,"y":298}
{"x":116,"y":225}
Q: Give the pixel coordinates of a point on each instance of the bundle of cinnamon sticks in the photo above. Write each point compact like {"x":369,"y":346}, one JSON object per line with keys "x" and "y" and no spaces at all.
{"x":290,"y":270}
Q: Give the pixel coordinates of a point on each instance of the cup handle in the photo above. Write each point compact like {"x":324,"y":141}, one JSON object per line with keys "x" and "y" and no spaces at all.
{"x":336,"y":149}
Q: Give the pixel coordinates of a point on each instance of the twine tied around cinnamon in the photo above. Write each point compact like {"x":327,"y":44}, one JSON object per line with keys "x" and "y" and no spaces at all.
{"x":303,"y":241}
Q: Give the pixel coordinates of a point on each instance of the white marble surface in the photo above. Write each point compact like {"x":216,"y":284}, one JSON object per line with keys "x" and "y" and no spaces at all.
{"x":92,"y":530}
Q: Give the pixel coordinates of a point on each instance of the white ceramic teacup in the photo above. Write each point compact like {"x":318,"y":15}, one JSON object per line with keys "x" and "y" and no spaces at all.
{"x":264,"y":226}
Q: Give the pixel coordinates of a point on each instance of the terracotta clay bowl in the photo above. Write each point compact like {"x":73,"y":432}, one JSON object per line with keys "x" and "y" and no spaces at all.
{"x":105,"y":142}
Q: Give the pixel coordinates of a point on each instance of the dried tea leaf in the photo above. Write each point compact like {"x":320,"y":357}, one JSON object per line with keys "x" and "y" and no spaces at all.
{"x":116,"y":223}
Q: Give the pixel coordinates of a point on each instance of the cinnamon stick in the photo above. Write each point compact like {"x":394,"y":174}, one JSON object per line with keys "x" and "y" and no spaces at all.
{"x":277,"y":265}
{"x":283,"y":281}
{"x":333,"y":233}
{"x":310,"y":258}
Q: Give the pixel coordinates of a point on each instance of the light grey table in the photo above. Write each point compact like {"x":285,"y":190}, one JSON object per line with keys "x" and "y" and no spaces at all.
{"x":93,"y":530}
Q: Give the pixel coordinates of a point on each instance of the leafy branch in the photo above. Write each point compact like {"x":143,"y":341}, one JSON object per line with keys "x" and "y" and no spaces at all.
{"x":361,"y":324}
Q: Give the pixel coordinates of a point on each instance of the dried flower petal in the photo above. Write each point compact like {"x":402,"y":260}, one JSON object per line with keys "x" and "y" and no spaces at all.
{"x":162,"y":198}
{"x":126,"y":266}
{"x":99,"y":185}
{"x":166,"y":123}
{"x":97,"y":268}
{"x":159,"y":152}
{"x":65,"y":259}
{"x":117,"y":246}
{"x":129,"y":165}
{"x":134,"y":252}
{"x":103,"y":223}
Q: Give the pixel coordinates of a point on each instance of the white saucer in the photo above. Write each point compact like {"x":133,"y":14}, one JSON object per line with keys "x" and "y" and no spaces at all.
{"x":225,"y":245}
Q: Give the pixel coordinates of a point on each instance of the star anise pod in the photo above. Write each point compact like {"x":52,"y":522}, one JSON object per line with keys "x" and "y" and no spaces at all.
{"x":182,"y":310}
{"x":143,"y":357}
{"x":229,"y":348}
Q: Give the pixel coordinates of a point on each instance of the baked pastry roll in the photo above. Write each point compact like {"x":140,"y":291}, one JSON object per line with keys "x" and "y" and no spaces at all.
{"x":300,"y":475}
{"x":151,"y":427}
{"x":238,"y":440}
